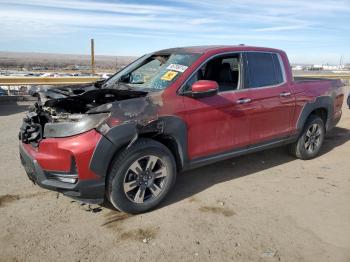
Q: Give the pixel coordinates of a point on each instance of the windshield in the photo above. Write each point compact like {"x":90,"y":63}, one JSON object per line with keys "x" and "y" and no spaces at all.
{"x":152,"y":72}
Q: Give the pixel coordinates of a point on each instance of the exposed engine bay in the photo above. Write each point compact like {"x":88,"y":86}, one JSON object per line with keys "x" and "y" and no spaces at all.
{"x":79,"y":99}
{"x":67,"y":111}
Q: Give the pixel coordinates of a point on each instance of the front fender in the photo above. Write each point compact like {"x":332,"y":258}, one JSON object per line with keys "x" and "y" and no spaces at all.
{"x":122,"y":135}
{"x":109,"y":144}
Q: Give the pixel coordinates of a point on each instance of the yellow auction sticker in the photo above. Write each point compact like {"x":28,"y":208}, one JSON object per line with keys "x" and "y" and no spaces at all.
{"x":168,"y":76}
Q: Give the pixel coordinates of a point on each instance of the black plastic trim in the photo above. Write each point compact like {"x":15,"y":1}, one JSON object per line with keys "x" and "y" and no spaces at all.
{"x":108,"y":145}
{"x":122,"y":135}
{"x":202,"y":161}
{"x":325,"y":102}
{"x":177,"y":129}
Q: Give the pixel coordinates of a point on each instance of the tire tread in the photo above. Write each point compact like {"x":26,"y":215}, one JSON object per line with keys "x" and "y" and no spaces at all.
{"x":123,"y":155}
{"x":295,"y":148}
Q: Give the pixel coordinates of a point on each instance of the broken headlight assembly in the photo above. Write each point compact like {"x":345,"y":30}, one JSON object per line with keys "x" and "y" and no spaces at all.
{"x":73,"y":124}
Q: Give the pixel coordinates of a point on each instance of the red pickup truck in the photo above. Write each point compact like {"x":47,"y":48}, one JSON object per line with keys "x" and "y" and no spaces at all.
{"x":125,"y":139}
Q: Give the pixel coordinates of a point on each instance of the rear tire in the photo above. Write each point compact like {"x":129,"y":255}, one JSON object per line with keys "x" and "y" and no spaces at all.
{"x":311,"y":139}
{"x":141,"y":176}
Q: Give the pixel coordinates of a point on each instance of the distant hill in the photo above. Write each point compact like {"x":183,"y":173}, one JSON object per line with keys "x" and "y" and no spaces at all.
{"x":60,"y":61}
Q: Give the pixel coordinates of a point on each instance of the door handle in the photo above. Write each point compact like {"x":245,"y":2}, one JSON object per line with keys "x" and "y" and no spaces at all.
{"x":243,"y":101}
{"x":285,"y":94}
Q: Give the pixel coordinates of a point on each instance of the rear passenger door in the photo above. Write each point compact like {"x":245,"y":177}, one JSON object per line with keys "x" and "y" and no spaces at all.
{"x":270,"y":95}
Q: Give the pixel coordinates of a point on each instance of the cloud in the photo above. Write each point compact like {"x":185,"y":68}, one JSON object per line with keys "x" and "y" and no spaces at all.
{"x":280,"y":28}
{"x":100,"y":15}
{"x":97,"y":6}
{"x":201,"y":21}
{"x":177,"y":22}
{"x":187,"y":15}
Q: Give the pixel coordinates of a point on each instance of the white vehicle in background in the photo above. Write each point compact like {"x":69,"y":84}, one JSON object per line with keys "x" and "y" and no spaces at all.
{"x":49,"y":75}
{"x":34,"y":90}
{"x":105,"y":75}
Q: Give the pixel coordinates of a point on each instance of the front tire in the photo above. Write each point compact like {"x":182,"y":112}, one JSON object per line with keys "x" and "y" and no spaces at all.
{"x":310,"y":141}
{"x":141,"y":176}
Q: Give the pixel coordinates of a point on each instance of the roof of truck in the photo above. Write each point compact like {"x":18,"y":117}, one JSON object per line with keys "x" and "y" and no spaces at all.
{"x":217,"y":48}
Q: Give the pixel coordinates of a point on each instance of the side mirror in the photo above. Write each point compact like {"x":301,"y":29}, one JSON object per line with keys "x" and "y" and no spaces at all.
{"x":124,"y":78}
{"x":203,"y":88}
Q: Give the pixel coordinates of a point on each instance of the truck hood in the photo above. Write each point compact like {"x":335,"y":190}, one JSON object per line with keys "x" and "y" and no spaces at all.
{"x":84,"y":98}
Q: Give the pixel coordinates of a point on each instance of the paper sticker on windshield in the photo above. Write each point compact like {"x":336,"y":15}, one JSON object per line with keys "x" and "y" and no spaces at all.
{"x":176,"y":67}
{"x":168,"y":76}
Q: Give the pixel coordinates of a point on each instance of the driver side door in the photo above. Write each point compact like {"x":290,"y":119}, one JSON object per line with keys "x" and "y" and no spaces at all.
{"x":218,"y":123}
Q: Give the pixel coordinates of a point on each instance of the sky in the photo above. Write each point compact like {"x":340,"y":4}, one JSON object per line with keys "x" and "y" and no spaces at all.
{"x":309,"y":31}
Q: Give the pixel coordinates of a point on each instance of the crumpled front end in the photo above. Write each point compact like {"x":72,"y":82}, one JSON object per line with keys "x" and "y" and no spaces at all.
{"x":60,"y":138}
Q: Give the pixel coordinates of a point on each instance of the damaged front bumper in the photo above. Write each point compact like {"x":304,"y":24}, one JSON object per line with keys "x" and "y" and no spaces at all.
{"x":75,"y":182}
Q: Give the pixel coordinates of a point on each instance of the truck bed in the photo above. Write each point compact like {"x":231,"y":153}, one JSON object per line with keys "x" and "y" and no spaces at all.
{"x":299,"y":79}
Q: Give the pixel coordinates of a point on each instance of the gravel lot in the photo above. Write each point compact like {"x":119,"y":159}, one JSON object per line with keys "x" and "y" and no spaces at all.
{"x":266,"y":206}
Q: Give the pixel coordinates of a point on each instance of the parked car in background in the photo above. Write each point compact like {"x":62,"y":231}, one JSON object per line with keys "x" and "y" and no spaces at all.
{"x":126,"y":138}
{"x":34,"y":90}
{"x":348,"y":101}
{"x":33,"y":74}
{"x":105,"y":75}
{"x":3,"y":92}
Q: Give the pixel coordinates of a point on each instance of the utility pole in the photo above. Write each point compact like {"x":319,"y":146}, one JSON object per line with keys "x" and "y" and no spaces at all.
{"x":92,"y":57}
{"x":116,"y":63}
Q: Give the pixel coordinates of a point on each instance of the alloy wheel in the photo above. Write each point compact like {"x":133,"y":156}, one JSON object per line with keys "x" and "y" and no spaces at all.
{"x":313,"y":138}
{"x":145,"y":179}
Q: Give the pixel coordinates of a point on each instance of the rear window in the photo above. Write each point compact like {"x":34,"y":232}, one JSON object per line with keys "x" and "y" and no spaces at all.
{"x":264,"y":69}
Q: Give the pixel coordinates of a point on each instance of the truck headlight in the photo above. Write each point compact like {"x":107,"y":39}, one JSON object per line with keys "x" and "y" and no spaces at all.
{"x":75,"y":125}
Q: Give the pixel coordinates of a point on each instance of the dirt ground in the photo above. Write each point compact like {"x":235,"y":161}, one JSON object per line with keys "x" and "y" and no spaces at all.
{"x":266,"y":206}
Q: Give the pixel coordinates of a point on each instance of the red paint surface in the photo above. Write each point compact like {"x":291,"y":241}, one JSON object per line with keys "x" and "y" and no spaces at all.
{"x":217,"y":124}
{"x":204,"y":85}
{"x":55,"y":154}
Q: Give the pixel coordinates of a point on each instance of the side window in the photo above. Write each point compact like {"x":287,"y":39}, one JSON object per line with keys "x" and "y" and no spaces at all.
{"x":225,"y":70}
{"x":278,"y":69}
{"x":264,"y":69}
